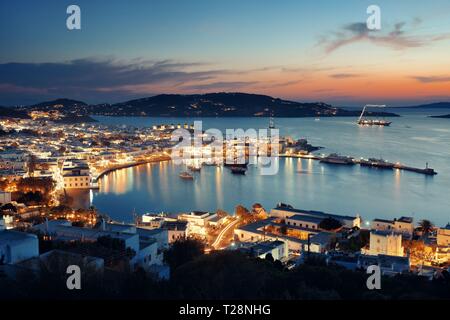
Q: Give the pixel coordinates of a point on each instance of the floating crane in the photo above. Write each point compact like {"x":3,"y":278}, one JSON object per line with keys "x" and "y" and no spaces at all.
{"x":366,"y":122}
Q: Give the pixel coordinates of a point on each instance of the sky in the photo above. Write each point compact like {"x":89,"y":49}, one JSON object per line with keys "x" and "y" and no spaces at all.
{"x":299,"y":50}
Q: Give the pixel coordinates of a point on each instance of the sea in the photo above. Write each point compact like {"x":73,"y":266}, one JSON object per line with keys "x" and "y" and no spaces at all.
{"x":413,"y":139}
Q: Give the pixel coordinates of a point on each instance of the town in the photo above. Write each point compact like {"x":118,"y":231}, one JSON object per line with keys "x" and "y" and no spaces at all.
{"x":40,"y":162}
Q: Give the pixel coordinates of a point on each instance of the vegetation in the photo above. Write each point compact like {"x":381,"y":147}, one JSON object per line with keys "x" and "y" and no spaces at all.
{"x":229,"y":275}
{"x":426,"y":227}
{"x":183,"y":251}
{"x":354,"y":244}
{"x":330,"y":224}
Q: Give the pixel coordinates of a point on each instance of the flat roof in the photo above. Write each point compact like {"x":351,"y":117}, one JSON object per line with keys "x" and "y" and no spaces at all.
{"x":13,"y":236}
{"x":298,"y":217}
{"x":314,"y":213}
{"x":384,"y":221}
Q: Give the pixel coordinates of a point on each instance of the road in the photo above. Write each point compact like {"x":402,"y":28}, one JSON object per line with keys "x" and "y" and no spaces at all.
{"x":223,"y":232}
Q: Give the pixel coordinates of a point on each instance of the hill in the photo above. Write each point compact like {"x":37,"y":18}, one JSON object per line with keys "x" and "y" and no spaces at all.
{"x":438,"y":105}
{"x":220,"y":105}
{"x":446,"y":116}
{"x":13,"y":113}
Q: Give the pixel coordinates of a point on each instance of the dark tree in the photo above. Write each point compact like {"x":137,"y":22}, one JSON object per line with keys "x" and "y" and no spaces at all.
{"x":183,"y":251}
{"x":330,"y":224}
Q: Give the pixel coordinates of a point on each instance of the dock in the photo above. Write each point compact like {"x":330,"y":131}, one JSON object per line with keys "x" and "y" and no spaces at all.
{"x":367,"y":163}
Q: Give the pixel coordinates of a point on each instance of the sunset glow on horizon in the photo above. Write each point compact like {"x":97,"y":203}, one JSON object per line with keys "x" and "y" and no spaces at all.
{"x":297,"y":50}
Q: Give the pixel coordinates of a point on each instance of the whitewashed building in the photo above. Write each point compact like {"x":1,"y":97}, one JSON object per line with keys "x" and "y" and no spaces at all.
{"x":17,"y":246}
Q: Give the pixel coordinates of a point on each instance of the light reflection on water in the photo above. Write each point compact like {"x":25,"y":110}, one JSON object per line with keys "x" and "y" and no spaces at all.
{"x":305,"y":184}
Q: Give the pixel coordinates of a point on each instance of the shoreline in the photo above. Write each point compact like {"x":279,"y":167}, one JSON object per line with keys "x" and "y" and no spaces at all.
{"x":129,"y":165}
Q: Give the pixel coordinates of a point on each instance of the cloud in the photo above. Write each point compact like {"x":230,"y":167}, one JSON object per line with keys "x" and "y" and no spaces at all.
{"x":344,"y":75}
{"x":432,"y":79}
{"x":396,"y":38}
{"x":97,"y":79}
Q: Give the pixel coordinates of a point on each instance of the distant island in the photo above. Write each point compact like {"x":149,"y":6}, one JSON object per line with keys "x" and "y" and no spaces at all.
{"x":195,"y":105}
{"x":445,"y":116}
{"x":437,"y":105}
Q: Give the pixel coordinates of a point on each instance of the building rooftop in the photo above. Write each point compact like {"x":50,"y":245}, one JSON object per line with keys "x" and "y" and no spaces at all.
{"x":314,"y":213}
{"x":306,"y":218}
{"x":406,"y":219}
{"x":15,"y":236}
{"x":384,"y":221}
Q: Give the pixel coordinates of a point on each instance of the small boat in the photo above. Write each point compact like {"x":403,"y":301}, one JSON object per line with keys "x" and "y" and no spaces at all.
{"x":334,"y":158}
{"x":186,"y":176}
{"x":238,"y":170}
{"x":194,"y":168}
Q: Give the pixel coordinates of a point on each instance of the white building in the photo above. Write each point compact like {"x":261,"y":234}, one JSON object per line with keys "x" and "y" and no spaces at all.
{"x":148,"y":245}
{"x":403,"y":225}
{"x":5,"y":197}
{"x":385,"y":243}
{"x":17,"y":246}
{"x":443,"y":236}
{"x":198,"y":221}
{"x":177,"y":230}
{"x":277,"y":248}
{"x":76,"y":175}
{"x":389,"y":265}
{"x":285,"y":212}
{"x":443,"y":245}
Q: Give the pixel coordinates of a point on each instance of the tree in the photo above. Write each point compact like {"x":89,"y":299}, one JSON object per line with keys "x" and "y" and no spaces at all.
{"x":183,"y":251}
{"x":241,"y":211}
{"x":330,"y":224}
{"x":269,"y":257}
{"x":426,"y":227}
{"x":221,"y":213}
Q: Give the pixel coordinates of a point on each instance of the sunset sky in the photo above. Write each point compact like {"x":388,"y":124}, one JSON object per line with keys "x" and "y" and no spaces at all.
{"x":294,"y":49}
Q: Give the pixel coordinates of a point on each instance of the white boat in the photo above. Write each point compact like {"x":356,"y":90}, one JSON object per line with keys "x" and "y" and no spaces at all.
{"x":186,"y":176}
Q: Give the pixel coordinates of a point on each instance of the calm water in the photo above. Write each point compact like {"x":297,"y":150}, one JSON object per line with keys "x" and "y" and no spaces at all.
{"x":412,"y":139}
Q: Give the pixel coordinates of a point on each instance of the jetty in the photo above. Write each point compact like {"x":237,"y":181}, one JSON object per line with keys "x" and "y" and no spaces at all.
{"x":371,"y":163}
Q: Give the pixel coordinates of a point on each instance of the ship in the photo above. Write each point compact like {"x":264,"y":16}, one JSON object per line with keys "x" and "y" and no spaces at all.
{"x":377,"y":163}
{"x":376,"y":122}
{"x":334,"y":158}
{"x":186,"y":176}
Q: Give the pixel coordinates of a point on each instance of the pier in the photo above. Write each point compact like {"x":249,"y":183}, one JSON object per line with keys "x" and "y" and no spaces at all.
{"x":371,"y":164}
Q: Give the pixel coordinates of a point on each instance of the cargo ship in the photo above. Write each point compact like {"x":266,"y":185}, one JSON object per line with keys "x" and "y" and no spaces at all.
{"x":334,"y":158}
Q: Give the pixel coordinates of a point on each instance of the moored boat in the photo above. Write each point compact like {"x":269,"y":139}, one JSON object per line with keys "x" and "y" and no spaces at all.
{"x":186,"y":176}
{"x":334,"y":158}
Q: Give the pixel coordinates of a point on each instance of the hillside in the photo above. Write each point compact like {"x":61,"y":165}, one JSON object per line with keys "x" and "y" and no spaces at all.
{"x":220,"y":105}
{"x":438,"y":105}
{"x":12,"y":113}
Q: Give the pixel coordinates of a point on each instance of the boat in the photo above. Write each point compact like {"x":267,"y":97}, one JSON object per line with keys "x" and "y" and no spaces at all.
{"x":334,"y":158}
{"x":366,"y":122}
{"x":194,"y":168}
{"x":376,"y":122}
{"x":377,"y":163}
{"x":238,"y":170}
{"x":186,"y":176}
